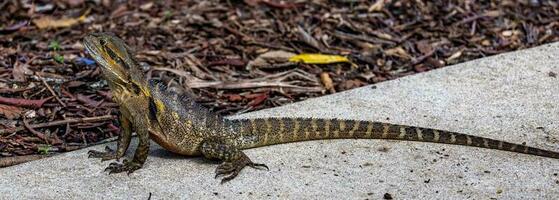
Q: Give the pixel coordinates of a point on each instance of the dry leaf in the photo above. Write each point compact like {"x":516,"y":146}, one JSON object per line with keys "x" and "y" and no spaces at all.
{"x":234,"y":97}
{"x":378,"y":6}
{"x":327,"y":82}
{"x":454,"y":56}
{"x":382,"y":35}
{"x":74,"y":3}
{"x":258,"y":99}
{"x":398,"y":52}
{"x":49,"y":22}
{"x":307,"y":38}
{"x":507,"y":33}
{"x":269,"y":58}
{"x":493,"y":13}
{"x":14,"y":27}
{"x":311,"y":58}
{"x":350,"y":84}
{"x":146,"y":6}
{"x":119,"y":11}
{"x":424,"y":47}
{"x":10,"y":112}
{"x":23,"y":102}
{"x":20,"y":71}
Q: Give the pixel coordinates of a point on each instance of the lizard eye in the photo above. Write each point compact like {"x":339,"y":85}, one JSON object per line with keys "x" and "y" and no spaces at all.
{"x":112,"y":54}
{"x":103,"y":42}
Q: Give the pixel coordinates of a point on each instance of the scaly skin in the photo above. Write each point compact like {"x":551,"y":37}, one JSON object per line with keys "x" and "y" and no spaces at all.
{"x":130,"y":90}
{"x":182,"y":126}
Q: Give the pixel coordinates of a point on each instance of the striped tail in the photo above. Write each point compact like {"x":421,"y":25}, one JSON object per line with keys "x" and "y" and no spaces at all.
{"x":269,"y":131}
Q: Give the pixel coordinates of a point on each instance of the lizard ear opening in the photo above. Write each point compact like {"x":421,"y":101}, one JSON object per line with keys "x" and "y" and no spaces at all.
{"x":135,"y":88}
{"x":152,"y":109}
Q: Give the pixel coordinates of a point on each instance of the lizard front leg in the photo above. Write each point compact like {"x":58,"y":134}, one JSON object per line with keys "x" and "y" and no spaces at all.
{"x":122,"y":143}
{"x":234,"y":160}
{"x":140,"y":155}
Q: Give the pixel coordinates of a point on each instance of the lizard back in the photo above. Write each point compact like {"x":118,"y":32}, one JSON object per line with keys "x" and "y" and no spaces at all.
{"x":184,"y":124}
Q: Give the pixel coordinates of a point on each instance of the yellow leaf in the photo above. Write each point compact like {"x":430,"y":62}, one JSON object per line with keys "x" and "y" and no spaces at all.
{"x":310,"y":58}
{"x":49,"y":22}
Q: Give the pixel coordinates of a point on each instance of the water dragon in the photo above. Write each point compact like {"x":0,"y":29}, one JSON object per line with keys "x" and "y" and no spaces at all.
{"x":182,"y":126}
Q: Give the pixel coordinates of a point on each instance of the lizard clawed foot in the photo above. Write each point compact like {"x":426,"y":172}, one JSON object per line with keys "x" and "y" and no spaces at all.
{"x":125,"y":166}
{"x":108,"y":154}
{"x":232,"y":168}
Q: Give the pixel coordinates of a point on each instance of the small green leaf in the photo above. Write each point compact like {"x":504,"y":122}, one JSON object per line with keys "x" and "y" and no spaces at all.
{"x":167,"y":14}
{"x":43,"y":149}
{"x":58,"y":58}
{"x":54,"y":45}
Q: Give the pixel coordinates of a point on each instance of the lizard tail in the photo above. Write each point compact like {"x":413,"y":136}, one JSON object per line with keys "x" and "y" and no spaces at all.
{"x":269,"y":131}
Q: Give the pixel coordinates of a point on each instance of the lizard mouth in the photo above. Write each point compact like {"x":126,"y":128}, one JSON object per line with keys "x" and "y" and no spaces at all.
{"x":95,"y":46}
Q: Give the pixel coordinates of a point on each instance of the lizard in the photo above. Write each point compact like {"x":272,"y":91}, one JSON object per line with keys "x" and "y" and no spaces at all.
{"x":179,"y":124}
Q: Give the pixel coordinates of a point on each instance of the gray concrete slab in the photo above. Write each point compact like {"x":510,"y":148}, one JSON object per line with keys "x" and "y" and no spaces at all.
{"x":511,"y":97}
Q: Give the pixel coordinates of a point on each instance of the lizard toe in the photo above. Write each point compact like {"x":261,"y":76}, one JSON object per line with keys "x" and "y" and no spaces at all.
{"x":125,"y":166}
{"x":234,"y":167}
{"x":132,"y":166}
{"x":115,"y":168}
{"x":224,"y":169}
{"x":230,"y":177}
{"x":259,"y":166}
{"x":108,"y":154}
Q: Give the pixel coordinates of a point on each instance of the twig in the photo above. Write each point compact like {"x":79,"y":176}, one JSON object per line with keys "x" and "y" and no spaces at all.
{"x":491,"y":14}
{"x":420,"y":59}
{"x":52,"y":91}
{"x":61,"y":122}
{"x":270,"y":46}
{"x":348,"y":36}
{"x":235,"y":32}
{"x":238,"y":85}
{"x":35,"y":132}
{"x":307,"y":38}
{"x":194,"y":82}
{"x":10,"y":161}
{"x":30,"y":103}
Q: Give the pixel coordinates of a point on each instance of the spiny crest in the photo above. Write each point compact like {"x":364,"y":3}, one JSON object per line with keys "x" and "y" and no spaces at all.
{"x":182,"y":104}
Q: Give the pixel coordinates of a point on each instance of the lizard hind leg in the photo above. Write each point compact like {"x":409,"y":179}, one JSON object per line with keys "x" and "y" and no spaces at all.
{"x":233,"y":159}
{"x":233,"y":167}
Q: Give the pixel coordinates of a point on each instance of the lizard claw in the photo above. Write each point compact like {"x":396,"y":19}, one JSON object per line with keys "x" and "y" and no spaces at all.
{"x":223,"y":169}
{"x":108,"y":154}
{"x":125,"y":166}
{"x":232,"y":168}
{"x":259,"y":166}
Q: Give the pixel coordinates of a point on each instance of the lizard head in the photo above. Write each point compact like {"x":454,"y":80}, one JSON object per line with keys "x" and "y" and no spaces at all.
{"x":116,"y":61}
